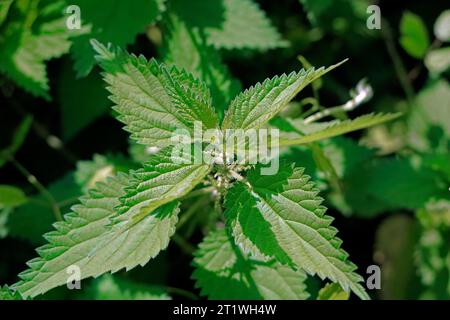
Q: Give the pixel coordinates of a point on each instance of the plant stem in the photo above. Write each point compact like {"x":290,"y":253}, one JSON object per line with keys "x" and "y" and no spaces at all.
{"x":39,"y":187}
{"x":398,"y":64}
{"x":51,"y":140}
{"x":363,"y":93}
{"x":199,"y":192}
{"x":192,"y":209}
{"x":183,"y":244}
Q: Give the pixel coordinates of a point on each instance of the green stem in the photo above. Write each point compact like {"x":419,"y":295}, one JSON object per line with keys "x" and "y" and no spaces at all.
{"x":199,"y":192}
{"x":192,"y":209}
{"x":39,"y":187}
{"x":183,"y":244}
{"x":400,"y":69}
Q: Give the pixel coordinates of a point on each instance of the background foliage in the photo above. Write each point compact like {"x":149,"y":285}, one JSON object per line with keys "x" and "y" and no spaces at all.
{"x":387,"y":187}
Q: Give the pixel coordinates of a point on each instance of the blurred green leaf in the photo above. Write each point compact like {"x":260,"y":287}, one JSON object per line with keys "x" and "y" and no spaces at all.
{"x":442,"y":26}
{"x":112,"y":287}
{"x":390,"y":184}
{"x":18,"y":139}
{"x":428,"y":124}
{"x":230,"y":24}
{"x":4,"y":215}
{"x":438,"y":60}
{"x":11,"y":196}
{"x":34,"y":218}
{"x":433,"y":254}
{"x":333,"y":291}
{"x":315,"y":9}
{"x":82,"y":100}
{"x":414,"y":35}
{"x":4,"y":8}
{"x":90,"y":172}
{"x":395,"y":243}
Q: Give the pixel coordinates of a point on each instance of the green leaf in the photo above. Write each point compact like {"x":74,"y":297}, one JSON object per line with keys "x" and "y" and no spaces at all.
{"x":438,"y":60}
{"x":406,"y":184}
{"x":295,"y":218}
{"x":442,"y":26}
{"x":17,"y":140}
{"x":429,"y":128}
{"x":109,"y":287}
{"x":222,"y":272}
{"x":395,"y":243}
{"x":432,"y":251}
{"x":257,"y":105}
{"x":11,"y":196}
{"x":153,"y":100}
{"x":246,"y":221}
{"x":82,"y":100}
{"x":4,"y":8}
{"x":4,"y":216}
{"x":161,"y":181}
{"x":315,"y":9}
{"x":30,"y":38}
{"x":187,"y":49}
{"x":109,"y":21}
{"x":335,"y":128}
{"x":87,"y":239}
{"x":90,"y":172}
{"x":230,"y":24}
{"x":8,"y":294}
{"x":333,"y":291}
{"x":414,"y":35}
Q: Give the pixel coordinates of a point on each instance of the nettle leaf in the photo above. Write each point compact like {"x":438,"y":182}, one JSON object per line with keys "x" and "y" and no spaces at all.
{"x":335,"y":128}
{"x":295,"y":226}
{"x":79,"y":240}
{"x":153,"y":100}
{"x":7,"y":294}
{"x":164,"y":178}
{"x":230,"y":24}
{"x":187,"y":49}
{"x":34,"y":34}
{"x":257,"y":105}
{"x":109,"y":21}
{"x":222,"y":272}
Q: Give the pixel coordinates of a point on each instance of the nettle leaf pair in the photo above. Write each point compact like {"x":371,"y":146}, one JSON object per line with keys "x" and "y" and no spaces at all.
{"x":275,"y":230}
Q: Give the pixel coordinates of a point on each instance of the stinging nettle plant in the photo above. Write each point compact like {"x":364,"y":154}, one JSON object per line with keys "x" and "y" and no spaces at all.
{"x":269,"y":232}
